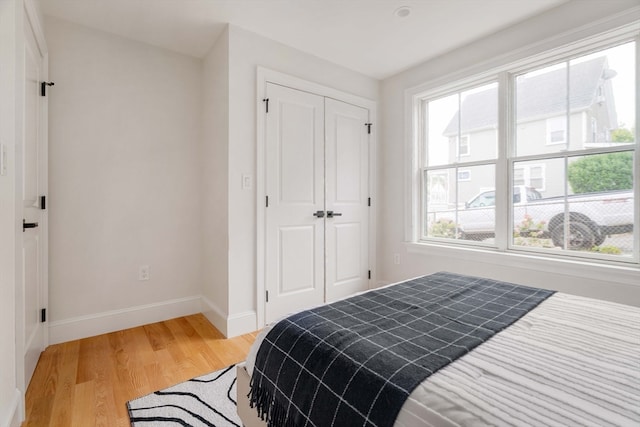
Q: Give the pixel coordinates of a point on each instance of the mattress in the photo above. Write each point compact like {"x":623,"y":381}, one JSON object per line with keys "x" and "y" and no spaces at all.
{"x":570,"y":361}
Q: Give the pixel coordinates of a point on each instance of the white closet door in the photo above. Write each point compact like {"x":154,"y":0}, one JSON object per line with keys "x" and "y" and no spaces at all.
{"x":33,"y":179}
{"x":347,"y":193}
{"x":294,"y":267}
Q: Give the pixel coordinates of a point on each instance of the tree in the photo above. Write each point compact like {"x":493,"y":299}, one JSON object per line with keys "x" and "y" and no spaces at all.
{"x":602,"y":172}
{"x":622,"y":135}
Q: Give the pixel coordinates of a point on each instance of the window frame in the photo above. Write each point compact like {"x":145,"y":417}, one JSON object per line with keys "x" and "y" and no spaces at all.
{"x":505,"y":75}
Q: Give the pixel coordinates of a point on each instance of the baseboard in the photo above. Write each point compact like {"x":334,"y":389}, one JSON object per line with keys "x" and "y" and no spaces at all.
{"x":116,"y":320}
{"x":230,"y":325}
{"x":216,"y":316}
{"x":241,"y":323}
{"x":11,"y":416}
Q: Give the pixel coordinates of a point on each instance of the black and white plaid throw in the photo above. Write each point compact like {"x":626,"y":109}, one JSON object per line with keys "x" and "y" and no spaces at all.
{"x":354,"y":362}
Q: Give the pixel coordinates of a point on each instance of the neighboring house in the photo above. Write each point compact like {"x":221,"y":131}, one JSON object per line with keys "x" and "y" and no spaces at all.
{"x":541,"y":128}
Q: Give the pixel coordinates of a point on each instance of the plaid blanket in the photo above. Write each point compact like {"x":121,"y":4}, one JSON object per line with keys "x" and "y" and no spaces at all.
{"x":354,"y":362}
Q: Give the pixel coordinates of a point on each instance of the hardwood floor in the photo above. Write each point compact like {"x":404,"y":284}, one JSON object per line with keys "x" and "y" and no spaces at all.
{"x":88,"y":382}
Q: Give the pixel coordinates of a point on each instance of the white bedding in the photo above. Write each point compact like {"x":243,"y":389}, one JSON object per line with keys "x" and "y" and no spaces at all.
{"x":570,"y":361}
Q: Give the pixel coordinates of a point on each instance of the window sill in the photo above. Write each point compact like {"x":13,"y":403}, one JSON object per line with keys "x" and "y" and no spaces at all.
{"x":623,"y":274}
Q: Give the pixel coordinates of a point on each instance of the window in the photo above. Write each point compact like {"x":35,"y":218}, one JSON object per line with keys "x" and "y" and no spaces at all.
{"x":561,"y":131}
{"x":464,"y":175}
{"x":449,"y":121}
{"x":464,"y":148}
{"x":557,"y":130}
{"x":529,"y":175}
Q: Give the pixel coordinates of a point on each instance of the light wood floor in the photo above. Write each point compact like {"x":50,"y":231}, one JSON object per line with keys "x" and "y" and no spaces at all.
{"x":88,"y":382}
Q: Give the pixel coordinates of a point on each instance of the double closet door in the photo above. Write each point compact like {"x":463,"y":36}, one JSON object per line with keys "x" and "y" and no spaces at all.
{"x":317,"y":186}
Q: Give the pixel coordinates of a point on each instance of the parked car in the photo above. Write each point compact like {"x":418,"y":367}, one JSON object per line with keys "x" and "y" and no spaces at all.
{"x":591,"y":216}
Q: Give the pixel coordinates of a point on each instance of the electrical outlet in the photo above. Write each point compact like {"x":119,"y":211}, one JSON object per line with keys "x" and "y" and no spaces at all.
{"x":143,"y":272}
{"x":396,"y":259}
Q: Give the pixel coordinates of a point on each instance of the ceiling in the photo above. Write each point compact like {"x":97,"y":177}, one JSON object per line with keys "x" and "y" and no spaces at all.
{"x":363,"y":35}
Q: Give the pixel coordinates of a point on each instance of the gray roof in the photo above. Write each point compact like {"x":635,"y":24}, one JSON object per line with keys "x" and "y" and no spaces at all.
{"x":538,"y":96}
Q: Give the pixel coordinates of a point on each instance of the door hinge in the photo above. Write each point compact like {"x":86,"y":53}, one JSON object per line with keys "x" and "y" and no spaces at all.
{"x":43,"y":202}
{"x":369,"y":274}
{"x":369,"y":202}
{"x":266,"y":201}
{"x":266,"y":296}
{"x":368,"y":125}
{"x":43,"y":315}
{"x":43,"y":87}
{"x":266,"y":104}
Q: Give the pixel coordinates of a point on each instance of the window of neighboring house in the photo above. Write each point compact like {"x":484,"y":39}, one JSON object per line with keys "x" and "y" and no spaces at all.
{"x":580,"y":197}
{"x":464,"y":146}
{"x":530,"y":175}
{"x":557,"y":130}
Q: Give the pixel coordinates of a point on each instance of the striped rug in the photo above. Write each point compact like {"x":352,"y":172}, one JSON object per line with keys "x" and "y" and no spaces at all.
{"x":209,"y":400}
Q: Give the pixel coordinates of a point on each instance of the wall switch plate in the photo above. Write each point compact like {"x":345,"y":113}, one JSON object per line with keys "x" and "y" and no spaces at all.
{"x":246,"y":182}
{"x":143,"y":272}
{"x":396,"y":259}
{"x":3,"y":159}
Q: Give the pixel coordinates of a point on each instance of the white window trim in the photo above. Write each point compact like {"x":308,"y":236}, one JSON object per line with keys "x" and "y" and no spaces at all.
{"x":575,"y":42}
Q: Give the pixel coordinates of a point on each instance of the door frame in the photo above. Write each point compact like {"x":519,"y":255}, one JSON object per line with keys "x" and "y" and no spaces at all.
{"x":264,"y":76}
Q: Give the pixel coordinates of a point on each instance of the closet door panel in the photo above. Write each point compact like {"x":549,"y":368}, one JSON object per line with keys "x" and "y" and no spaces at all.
{"x":347,"y":193}
{"x":294,"y":268}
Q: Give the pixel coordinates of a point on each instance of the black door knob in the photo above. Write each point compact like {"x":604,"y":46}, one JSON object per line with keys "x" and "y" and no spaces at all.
{"x":26,"y":225}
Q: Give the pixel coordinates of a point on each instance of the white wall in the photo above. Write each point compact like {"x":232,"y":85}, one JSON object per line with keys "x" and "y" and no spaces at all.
{"x":215,"y":182}
{"x":124,"y":139}
{"x":247,"y":51}
{"x":569,"y":22}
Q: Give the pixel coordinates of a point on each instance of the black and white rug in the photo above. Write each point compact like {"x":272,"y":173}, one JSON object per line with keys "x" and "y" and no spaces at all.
{"x":209,"y":400}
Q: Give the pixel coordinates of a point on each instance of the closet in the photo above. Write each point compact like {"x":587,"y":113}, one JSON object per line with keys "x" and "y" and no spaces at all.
{"x":317,"y":200}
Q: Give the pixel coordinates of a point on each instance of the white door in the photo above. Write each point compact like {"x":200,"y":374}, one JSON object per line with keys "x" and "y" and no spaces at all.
{"x":295,"y":189}
{"x":33,"y":182}
{"x":347,"y":196}
{"x":317,"y":185}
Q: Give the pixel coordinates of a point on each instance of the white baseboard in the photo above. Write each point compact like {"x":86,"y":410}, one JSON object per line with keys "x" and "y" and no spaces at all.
{"x":116,"y":320}
{"x":216,"y":316}
{"x":11,"y":416}
{"x":241,"y":323}
{"x":230,"y":325}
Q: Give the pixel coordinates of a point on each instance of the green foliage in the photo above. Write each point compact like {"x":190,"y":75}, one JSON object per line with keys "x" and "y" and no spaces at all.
{"x":603,"y":172}
{"x":611,"y":250}
{"x":531,"y":233}
{"x":443,"y":228}
{"x":622,"y":135}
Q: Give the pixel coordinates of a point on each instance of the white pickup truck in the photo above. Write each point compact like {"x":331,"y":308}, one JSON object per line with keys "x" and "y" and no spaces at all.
{"x":592,"y":216}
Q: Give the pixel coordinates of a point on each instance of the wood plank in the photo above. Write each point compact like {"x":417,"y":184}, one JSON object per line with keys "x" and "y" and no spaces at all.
{"x":88,"y":382}
{"x":83,"y":414}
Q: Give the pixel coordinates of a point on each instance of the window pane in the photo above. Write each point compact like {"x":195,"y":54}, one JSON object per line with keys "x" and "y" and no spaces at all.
{"x":442,"y":131}
{"x":588,"y":209}
{"x":587,"y":102}
{"x":543,"y":183}
{"x":610,"y":117}
{"x":463,"y":127}
{"x":541,"y":111}
{"x":468,"y":213}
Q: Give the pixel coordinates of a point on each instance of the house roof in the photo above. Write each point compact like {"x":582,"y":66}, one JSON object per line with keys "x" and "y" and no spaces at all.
{"x":538,"y":96}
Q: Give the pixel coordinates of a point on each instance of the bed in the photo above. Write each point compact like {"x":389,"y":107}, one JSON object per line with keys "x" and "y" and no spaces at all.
{"x":565,"y":360}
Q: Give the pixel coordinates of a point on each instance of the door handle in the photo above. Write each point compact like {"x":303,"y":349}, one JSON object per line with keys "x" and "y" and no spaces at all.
{"x":319,"y":214}
{"x":26,"y":225}
{"x":331,"y":214}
